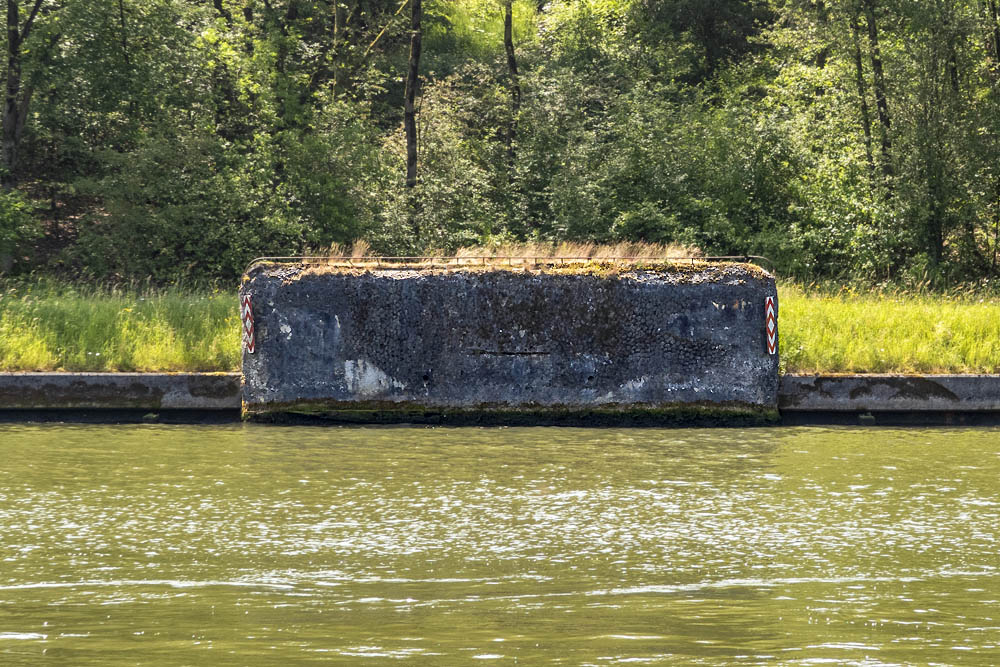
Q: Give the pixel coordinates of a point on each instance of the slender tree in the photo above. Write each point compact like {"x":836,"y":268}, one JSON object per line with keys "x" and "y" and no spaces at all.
{"x":410,"y":94}
{"x":859,"y":71}
{"x":16,"y":100}
{"x":994,"y":32}
{"x":991,"y":39}
{"x":878,"y":80}
{"x":515,"y":86}
{"x":410,"y":117}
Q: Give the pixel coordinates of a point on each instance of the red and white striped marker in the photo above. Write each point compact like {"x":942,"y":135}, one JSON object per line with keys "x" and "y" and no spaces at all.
{"x":771,"y":324}
{"x":246,"y":313}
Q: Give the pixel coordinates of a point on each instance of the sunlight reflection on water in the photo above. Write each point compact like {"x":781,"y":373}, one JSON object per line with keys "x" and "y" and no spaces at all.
{"x":254,"y":545}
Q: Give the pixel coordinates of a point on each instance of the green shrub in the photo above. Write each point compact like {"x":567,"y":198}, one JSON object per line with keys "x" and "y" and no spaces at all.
{"x":184,"y":206}
{"x":17,"y":225}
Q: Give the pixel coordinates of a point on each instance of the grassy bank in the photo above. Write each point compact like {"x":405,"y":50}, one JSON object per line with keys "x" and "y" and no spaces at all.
{"x":846,"y":331}
{"x":56,"y":327}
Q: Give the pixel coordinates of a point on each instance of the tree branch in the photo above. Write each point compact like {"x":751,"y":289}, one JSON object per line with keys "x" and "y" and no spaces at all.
{"x":364,"y":56}
{"x":31,"y":20}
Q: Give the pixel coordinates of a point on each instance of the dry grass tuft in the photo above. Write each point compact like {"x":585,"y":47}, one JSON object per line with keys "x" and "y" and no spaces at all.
{"x":359,"y":253}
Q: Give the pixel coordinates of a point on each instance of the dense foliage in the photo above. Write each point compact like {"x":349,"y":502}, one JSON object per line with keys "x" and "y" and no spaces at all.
{"x":180,"y":138}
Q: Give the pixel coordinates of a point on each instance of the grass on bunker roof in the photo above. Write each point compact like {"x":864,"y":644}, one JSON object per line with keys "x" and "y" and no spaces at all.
{"x":565,"y":258}
{"x":501,"y":254}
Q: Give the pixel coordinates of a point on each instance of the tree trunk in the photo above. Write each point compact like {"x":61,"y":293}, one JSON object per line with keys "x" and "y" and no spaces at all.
{"x":515,"y":86}
{"x":409,"y":109}
{"x":335,"y":45}
{"x":223,"y":12}
{"x":995,"y":25}
{"x":950,"y":36}
{"x":15,"y":108}
{"x":866,"y":120}
{"x":124,"y":27}
{"x":9,"y":141}
{"x":996,"y":224}
{"x":878,"y":76}
{"x":410,"y":119}
{"x":132,"y":103}
{"x":953,"y":70}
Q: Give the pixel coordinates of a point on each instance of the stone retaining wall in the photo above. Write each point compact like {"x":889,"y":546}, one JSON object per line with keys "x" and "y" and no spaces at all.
{"x":910,"y":398}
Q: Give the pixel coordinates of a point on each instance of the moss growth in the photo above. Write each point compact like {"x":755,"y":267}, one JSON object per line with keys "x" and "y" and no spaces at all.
{"x":389,"y":412}
{"x":684,"y":271}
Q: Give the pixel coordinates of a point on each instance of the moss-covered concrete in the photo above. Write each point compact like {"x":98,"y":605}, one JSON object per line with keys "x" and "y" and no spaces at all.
{"x":528,"y":415}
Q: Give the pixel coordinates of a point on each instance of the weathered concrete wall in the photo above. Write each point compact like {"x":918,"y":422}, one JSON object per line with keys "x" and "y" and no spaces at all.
{"x":119,"y":391}
{"x":577,"y":340}
{"x":881,"y":393}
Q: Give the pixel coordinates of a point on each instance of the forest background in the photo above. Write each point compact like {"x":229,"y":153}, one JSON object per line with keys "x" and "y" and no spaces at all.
{"x":170,"y":140}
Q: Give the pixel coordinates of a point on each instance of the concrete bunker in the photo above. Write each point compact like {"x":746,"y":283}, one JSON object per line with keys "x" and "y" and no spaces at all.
{"x":586,"y":342}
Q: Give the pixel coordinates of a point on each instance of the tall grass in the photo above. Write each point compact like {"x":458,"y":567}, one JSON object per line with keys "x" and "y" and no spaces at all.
{"x":57,"y":327}
{"x":850,"y":331}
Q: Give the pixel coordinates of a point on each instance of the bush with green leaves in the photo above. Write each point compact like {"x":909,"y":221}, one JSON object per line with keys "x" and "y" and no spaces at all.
{"x":18,"y":226}
{"x":181,"y":206}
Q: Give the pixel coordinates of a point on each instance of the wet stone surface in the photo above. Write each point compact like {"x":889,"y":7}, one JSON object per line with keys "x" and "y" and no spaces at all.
{"x":502,"y":340}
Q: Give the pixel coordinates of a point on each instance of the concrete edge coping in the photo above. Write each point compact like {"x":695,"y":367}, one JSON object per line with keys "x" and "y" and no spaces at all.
{"x":889,"y":392}
{"x":120,"y":391}
{"x":222,"y":391}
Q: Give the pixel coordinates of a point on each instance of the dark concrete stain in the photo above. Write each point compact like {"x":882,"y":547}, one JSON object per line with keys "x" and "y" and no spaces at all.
{"x":79,"y":393}
{"x":914,"y":393}
{"x":905,"y":387}
{"x":213,"y":386}
{"x":791,"y":396}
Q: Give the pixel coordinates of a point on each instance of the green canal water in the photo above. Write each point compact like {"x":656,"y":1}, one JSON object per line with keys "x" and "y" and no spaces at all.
{"x":254,"y":545}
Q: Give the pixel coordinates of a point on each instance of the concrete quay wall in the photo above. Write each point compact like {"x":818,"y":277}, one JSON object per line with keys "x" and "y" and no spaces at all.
{"x":119,"y":391}
{"x":826,"y":398}
{"x":889,"y":393}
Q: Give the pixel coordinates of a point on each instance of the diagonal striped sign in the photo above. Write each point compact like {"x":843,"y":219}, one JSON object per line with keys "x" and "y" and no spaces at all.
{"x":771,"y":325}
{"x":246,"y":314}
